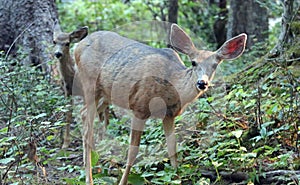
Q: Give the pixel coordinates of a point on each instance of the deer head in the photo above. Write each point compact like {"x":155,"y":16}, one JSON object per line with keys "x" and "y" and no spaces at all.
{"x":205,"y":62}
{"x":62,"y":40}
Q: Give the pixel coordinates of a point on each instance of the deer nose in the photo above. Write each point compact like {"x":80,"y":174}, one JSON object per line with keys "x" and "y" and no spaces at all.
{"x":201,"y":84}
{"x":58,"y":54}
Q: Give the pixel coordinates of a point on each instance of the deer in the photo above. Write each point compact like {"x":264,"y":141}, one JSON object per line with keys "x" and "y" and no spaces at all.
{"x":67,"y":71}
{"x":148,"y":82}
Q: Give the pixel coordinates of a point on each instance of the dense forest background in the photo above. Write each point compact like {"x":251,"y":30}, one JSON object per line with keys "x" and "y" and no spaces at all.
{"x":244,"y":130}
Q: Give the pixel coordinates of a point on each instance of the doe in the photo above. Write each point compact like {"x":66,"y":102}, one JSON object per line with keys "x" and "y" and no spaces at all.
{"x":147,"y":81}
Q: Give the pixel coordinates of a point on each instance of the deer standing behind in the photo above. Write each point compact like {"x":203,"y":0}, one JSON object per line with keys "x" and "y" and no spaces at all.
{"x":67,"y":71}
{"x":147,"y":81}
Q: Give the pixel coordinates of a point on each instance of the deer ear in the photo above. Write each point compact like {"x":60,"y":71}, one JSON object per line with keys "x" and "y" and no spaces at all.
{"x":79,"y":34}
{"x":56,"y":28}
{"x":181,"y":41}
{"x":233,"y":48}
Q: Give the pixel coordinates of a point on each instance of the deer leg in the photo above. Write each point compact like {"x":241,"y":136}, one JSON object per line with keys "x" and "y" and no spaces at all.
{"x":103,"y":114}
{"x":169,"y":129}
{"x":83,"y":113}
{"x":106,"y":117}
{"x":88,"y":133}
{"x":137,"y":127}
{"x":66,"y":139}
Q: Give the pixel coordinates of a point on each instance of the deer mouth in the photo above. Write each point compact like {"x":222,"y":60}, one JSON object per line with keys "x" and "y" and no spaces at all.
{"x":202,"y":85}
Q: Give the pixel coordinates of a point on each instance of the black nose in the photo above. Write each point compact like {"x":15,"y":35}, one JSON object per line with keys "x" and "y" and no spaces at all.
{"x":58,"y":54}
{"x":201,"y":84}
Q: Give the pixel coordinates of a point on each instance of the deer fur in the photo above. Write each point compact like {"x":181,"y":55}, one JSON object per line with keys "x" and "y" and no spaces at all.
{"x":150,"y":82}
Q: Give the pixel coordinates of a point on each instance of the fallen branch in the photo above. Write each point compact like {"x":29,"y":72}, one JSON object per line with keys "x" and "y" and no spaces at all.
{"x":270,"y":177}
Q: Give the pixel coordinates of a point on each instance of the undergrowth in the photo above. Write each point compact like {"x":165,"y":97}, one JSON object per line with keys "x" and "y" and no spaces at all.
{"x":249,"y":125}
{"x":31,"y":117}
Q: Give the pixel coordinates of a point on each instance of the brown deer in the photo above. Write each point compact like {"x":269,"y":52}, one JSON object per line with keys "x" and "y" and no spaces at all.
{"x":147,"y":81}
{"x":67,"y":70}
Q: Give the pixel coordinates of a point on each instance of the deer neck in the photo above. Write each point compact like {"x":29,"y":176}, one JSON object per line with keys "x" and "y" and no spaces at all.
{"x":66,"y":66}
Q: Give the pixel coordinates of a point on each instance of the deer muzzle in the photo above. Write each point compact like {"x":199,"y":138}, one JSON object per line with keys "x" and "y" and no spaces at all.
{"x":202,"y":85}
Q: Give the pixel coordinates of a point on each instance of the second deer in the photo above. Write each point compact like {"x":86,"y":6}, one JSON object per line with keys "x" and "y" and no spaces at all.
{"x":67,"y":71}
{"x":147,"y":81}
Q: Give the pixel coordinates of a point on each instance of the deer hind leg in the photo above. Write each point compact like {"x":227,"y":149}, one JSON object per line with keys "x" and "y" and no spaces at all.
{"x":67,"y":137}
{"x":103,"y":113}
{"x":106,"y":117}
{"x":137,"y":127}
{"x":169,"y":129}
{"x":88,"y":131}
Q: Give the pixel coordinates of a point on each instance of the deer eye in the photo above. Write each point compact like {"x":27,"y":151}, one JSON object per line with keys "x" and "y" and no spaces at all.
{"x":54,"y":42}
{"x":194,"y":63}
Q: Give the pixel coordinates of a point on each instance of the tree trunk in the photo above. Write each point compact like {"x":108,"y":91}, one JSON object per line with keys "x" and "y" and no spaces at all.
{"x":173,"y":11}
{"x":27,"y":25}
{"x":289,"y":35}
{"x":219,"y":26}
{"x":248,"y":16}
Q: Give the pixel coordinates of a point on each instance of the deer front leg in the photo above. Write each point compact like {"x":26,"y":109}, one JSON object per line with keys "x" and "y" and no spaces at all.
{"x":66,"y":139}
{"x":137,"y":127}
{"x":169,"y":129}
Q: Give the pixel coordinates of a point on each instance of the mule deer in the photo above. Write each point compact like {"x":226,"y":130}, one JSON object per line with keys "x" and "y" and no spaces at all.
{"x":147,"y":81}
{"x":67,"y":70}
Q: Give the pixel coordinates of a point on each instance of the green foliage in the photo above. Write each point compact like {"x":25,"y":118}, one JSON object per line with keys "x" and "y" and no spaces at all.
{"x":106,"y":15}
{"x":30,"y":112}
{"x":111,"y":14}
{"x":199,"y":17}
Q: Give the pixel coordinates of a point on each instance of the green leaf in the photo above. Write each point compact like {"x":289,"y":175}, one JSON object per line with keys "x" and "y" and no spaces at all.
{"x":39,"y":116}
{"x":147,"y":174}
{"x":217,"y":164}
{"x":176,"y":182}
{"x":95,"y":158}
{"x":243,"y":149}
{"x":136,"y":179}
{"x":263,"y":132}
{"x":4,"y":130}
{"x":105,"y":180}
{"x":7,"y":160}
{"x":161,"y":173}
{"x":250,"y":155}
{"x":210,"y":99}
{"x":49,"y":138}
{"x":73,"y":181}
{"x":237,"y":133}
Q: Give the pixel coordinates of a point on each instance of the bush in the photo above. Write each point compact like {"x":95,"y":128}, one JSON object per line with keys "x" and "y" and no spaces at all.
{"x":31,"y":111}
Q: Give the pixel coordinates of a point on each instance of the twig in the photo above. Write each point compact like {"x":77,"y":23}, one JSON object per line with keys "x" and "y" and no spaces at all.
{"x":10,"y":47}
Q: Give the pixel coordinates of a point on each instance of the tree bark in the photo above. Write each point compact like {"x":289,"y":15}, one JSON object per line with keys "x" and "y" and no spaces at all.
{"x":173,"y":11}
{"x":248,"y":16}
{"x":288,"y":33}
{"x":219,"y":26}
{"x":27,"y":25}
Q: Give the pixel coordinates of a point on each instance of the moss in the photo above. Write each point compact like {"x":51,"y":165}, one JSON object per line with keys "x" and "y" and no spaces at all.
{"x":293,"y":50}
{"x":295,"y":70}
{"x":295,"y":27}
